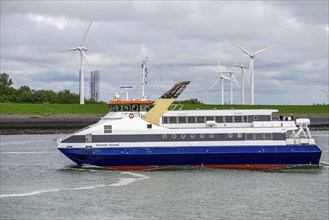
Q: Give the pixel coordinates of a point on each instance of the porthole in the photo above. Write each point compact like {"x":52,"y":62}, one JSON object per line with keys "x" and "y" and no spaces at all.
{"x":211,"y":135}
{"x":183,"y":136}
{"x":164,"y":136}
{"x":192,"y":136}
{"x":201,"y":136}
{"x":255,"y":117}
{"x":230,"y":135}
{"x":173,"y":136}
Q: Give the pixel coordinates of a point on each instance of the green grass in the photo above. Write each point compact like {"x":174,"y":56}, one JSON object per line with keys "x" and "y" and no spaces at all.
{"x":50,"y":109}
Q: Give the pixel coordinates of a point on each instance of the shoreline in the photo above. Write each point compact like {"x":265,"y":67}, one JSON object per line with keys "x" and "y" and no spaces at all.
{"x":69,"y":123}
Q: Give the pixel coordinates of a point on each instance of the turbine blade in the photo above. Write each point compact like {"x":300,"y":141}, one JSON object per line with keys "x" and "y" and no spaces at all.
{"x":245,"y":51}
{"x":244,"y":73}
{"x":214,"y":83}
{"x":225,"y":77}
{"x":85,"y":35}
{"x":218,"y":66}
{"x":260,"y":51}
{"x":236,"y":82}
{"x":67,"y":49}
{"x":84,"y":56}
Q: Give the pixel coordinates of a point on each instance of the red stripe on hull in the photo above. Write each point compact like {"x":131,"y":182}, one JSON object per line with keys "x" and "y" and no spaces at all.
{"x":136,"y":167}
{"x":219,"y":166}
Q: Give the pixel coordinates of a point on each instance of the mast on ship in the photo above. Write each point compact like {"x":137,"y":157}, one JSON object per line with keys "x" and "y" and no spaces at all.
{"x":144,"y":76}
{"x":126,"y":91}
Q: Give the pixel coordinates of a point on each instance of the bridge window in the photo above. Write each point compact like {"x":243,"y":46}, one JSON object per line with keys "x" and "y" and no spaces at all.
{"x":115,"y":108}
{"x":134,"y":108}
{"x":144,"y":108}
{"x":245,"y":118}
{"x":126,"y":108}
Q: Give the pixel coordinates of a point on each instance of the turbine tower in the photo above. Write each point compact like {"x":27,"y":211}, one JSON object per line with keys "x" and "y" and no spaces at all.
{"x":243,"y":76}
{"x":222,"y":70}
{"x":252,"y":57}
{"x":81,"y":49}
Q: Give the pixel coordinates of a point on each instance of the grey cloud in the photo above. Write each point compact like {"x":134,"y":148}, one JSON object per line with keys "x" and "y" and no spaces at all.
{"x":183,"y":41}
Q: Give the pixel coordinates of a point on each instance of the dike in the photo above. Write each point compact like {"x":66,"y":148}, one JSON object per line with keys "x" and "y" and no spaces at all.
{"x":45,"y":124}
{"x":66,"y":124}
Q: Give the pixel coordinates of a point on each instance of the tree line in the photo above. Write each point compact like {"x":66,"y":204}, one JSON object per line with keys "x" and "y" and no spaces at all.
{"x":25,"y":94}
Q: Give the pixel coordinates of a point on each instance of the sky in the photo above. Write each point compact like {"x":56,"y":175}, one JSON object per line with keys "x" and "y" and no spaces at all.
{"x":183,"y":41}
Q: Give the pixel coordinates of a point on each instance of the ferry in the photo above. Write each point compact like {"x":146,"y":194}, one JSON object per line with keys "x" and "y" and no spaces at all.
{"x":141,"y":135}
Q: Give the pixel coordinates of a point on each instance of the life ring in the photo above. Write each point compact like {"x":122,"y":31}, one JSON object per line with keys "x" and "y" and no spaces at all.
{"x":131,"y":115}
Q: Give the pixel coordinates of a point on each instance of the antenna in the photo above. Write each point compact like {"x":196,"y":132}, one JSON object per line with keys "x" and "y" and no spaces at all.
{"x":144,"y":76}
{"x":126,"y":90}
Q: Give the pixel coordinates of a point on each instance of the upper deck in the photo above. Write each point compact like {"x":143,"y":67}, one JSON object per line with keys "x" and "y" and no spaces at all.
{"x":225,"y":118}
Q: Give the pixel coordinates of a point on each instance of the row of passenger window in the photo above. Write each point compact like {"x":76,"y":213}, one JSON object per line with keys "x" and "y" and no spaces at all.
{"x":237,"y":136}
{"x":203,"y":119}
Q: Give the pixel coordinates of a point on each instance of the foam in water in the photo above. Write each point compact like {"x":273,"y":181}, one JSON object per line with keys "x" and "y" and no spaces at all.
{"x":120,"y":182}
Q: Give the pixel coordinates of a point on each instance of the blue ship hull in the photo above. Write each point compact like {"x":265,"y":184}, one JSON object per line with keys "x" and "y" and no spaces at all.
{"x":245,"y":157}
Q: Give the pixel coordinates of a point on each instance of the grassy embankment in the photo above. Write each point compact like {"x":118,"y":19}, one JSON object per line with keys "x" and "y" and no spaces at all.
{"x":52,"y":109}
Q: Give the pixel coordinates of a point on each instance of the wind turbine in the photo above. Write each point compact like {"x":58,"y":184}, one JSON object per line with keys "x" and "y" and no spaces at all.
{"x":252,"y":57}
{"x":243,"y":76}
{"x":222,"y":70}
{"x":81,"y":49}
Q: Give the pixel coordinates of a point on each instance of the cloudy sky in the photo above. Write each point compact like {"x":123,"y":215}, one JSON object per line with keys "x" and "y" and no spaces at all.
{"x":182,"y":39}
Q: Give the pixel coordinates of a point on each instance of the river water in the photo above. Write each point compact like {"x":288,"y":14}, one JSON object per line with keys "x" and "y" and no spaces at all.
{"x":38,"y":182}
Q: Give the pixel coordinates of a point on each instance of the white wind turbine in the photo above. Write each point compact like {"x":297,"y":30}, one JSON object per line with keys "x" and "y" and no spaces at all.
{"x":243,"y":77}
{"x":252,"y":57}
{"x":81,"y":49}
{"x":225,"y":70}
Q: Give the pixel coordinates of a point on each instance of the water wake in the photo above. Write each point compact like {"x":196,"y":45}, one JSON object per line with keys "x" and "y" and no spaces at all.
{"x":325,"y":164}
{"x":121,"y":182}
